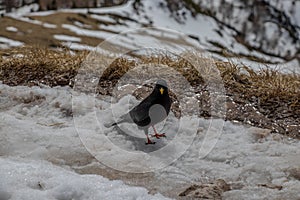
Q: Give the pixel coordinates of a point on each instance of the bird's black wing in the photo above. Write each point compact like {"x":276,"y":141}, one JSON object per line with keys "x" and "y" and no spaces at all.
{"x":140,"y":113}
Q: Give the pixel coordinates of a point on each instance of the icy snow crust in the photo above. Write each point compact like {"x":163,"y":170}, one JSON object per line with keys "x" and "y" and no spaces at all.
{"x":40,"y":149}
{"x":39,"y":130}
{"x":6,"y":43}
{"x":36,"y":180}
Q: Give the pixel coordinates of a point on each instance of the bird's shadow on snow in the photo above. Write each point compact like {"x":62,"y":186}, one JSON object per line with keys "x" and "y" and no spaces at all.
{"x":139,"y":144}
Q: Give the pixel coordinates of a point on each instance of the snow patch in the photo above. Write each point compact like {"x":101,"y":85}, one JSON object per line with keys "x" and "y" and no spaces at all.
{"x":6,"y":43}
{"x":76,"y":46}
{"x":11,"y":29}
{"x":35,"y":180}
{"x":67,"y":38}
{"x":47,"y":25}
{"x":48,"y":135}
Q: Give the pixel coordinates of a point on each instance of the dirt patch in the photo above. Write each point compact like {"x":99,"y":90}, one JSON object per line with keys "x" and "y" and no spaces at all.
{"x":206,"y":191}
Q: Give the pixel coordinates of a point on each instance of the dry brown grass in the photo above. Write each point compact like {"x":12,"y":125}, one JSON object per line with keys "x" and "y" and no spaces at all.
{"x":272,"y":93}
{"x":265,"y":84}
{"x":35,"y":65}
{"x":26,"y":64}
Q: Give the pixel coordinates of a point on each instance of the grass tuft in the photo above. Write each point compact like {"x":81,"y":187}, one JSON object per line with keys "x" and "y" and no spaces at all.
{"x":274,"y":94}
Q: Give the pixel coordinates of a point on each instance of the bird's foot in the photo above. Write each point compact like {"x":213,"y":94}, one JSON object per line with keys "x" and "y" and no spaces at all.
{"x":157,"y":135}
{"x":149,"y":142}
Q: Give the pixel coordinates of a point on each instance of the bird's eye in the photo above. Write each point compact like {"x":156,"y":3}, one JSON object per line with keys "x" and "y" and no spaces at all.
{"x":161,"y":90}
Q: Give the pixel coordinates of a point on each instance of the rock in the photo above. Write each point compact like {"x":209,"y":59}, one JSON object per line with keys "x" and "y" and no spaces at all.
{"x":59,"y":4}
{"x":271,"y":186}
{"x":295,"y":173}
{"x":206,"y":191}
{"x":46,"y":5}
{"x":259,"y":133}
{"x":84,"y":4}
{"x":64,"y":4}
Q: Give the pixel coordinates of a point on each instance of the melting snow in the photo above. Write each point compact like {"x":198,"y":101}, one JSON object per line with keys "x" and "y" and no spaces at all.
{"x":36,"y":129}
{"x":35,"y":180}
{"x":76,"y":46}
{"x":67,"y":38}
{"x":6,"y":43}
{"x":47,"y":25}
{"x":11,"y":29}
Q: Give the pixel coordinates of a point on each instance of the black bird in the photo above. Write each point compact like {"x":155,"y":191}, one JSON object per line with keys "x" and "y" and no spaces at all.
{"x":152,"y":110}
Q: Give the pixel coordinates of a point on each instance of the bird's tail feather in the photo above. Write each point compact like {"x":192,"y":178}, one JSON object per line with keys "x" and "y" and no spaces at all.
{"x":108,"y":125}
{"x":124,"y":118}
{"x":114,"y":124}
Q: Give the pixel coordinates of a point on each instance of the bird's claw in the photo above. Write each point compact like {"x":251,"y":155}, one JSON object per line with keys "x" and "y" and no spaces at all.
{"x":149,"y":142}
{"x":158,"y":136}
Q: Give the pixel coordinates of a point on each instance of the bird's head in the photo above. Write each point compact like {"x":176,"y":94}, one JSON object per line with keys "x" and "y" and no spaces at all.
{"x":162,"y":86}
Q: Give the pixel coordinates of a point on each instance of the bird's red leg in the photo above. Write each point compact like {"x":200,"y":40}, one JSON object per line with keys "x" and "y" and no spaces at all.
{"x":157,"y":135}
{"x":149,"y":141}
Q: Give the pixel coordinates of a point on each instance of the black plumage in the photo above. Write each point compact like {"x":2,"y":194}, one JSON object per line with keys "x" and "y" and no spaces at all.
{"x":152,"y":110}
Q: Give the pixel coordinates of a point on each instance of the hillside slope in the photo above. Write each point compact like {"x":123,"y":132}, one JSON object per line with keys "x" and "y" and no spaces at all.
{"x":252,"y":32}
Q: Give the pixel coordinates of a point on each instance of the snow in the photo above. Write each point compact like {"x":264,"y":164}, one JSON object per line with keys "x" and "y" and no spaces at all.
{"x":48,"y":25}
{"x":115,"y":9}
{"x":24,"y":10}
{"x":67,"y":38}
{"x":205,"y":28}
{"x":11,"y":29}
{"x":35,"y":180}
{"x":36,"y":22}
{"x":6,"y":43}
{"x":201,"y":26}
{"x":47,"y":135}
{"x":290,"y":9}
{"x":86,"y":32}
{"x":76,"y":10}
{"x":27,"y":19}
{"x":42,"y":147}
{"x":42,"y":13}
{"x":76,"y":46}
{"x":104,"y":18}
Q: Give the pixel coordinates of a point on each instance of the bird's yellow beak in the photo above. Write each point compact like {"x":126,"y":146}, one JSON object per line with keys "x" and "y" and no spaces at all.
{"x":161,"y":90}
